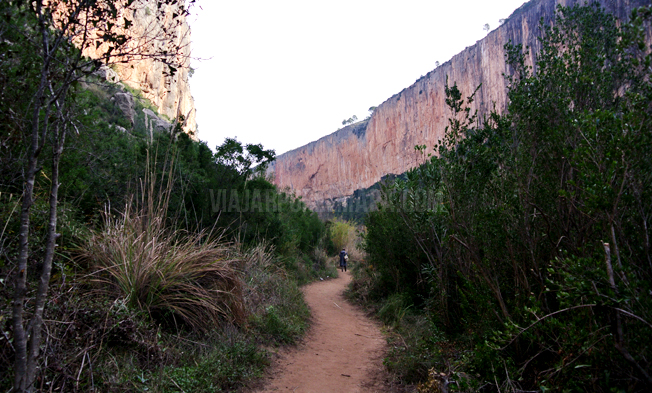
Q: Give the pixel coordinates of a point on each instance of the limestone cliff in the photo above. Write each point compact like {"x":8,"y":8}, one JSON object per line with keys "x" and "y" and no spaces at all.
{"x":357,"y":156}
{"x":169,"y":93}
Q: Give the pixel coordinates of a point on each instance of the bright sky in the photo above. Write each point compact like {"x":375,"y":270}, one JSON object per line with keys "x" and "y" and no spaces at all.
{"x":287,"y":72}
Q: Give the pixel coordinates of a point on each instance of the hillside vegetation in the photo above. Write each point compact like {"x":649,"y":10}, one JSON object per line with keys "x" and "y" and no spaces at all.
{"x":151,"y":263}
{"x":518,"y":257}
{"x":156,"y":285}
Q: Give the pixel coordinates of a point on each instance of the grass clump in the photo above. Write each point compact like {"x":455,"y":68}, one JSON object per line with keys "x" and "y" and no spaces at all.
{"x":190,"y":280}
{"x":394,"y":310}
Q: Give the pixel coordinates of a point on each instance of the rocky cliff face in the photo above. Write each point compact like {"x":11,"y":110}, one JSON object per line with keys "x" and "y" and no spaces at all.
{"x":357,"y":156}
{"x":169,"y":93}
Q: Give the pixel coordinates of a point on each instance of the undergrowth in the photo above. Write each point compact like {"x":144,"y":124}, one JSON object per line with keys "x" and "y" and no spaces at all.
{"x":420,"y":355}
{"x":97,"y":341}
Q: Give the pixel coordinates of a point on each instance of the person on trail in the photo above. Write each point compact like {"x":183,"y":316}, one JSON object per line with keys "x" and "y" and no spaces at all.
{"x":343,"y":258}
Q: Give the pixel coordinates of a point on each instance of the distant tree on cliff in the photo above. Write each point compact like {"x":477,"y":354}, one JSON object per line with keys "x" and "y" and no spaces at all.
{"x":41,"y":63}
{"x":350,"y":120}
{"x":371,"y":109}
{"x":486,"y":27}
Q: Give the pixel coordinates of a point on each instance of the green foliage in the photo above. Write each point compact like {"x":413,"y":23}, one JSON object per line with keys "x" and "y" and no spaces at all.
{"x":305,"y":269}
{"x":393,"y":310}
{"x":355,"y":207}
{"x":226,"y":366}
{"x":341,"y":233}
{"x":504,"y":235}
{"x":283,"y":325}
{"x":232,"y":155}
{"x":416,"y":346}
{"x":103,"y":167}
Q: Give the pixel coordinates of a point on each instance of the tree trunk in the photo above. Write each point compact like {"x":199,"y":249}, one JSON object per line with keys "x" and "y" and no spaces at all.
{"x":20,"y":336}
{"x":36,"y":323}
{"x":39,"y":130}
{"x":21,"y":382}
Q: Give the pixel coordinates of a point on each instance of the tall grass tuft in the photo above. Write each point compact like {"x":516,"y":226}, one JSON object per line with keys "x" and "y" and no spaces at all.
{"x":278,"y":310}
{"x":174,"y":277}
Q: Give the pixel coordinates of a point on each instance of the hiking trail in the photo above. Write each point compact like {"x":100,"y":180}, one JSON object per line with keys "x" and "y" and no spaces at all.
{"x":343,"y":351}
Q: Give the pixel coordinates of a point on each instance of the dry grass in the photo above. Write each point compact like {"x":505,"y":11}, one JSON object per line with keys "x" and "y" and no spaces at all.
{"x":263,"y":277}
{"x":188,"y":277}
{"x":354,"y":246}
{"x":278,"y":312}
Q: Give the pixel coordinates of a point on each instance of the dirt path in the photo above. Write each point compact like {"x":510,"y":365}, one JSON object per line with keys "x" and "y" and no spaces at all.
{"x":342,"y":353}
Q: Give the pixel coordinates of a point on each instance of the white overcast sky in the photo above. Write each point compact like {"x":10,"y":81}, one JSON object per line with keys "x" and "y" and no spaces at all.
{"x":284,"y":73}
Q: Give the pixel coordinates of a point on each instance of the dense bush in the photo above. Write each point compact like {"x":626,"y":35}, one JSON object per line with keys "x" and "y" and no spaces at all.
{"x":527,"y":238}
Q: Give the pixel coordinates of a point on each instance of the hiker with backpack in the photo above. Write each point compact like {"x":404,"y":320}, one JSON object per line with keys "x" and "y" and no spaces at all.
{"x":343,"y":258}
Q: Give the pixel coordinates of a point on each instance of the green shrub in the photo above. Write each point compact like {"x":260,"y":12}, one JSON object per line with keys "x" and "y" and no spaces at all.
{"x":532,"y":248}
{"x":394,"y":309}
{"x":341,"y":233}
{"x":225,"y":366}
{"x":415,"y":347}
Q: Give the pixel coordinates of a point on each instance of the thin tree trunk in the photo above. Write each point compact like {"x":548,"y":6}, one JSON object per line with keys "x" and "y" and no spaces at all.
{"x":20,"y":290}
{"x":36,"y":323}
{"x":21,"y":381}
{"x":20,"y":336}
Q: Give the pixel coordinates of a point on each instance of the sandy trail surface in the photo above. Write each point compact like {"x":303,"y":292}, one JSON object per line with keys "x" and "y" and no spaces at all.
{"x":342,"y":352}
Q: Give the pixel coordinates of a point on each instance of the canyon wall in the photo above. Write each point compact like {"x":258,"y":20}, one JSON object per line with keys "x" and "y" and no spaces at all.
{"x":357,"y":156}
{"x":170,"y":94}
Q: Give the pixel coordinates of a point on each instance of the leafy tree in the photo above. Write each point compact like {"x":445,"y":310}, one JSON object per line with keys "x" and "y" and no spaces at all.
{"x":371,"y":110}
{"x":42,"y":45}
{"x":340,"y":233}
{"x":232,"y":154}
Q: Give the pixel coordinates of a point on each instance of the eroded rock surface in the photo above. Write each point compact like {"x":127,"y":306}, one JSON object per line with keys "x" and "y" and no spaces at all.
{"x":170,"y":93}
{"x":357,"y":156}
{"x":125,"y":102}
{"x":155,"y":123}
